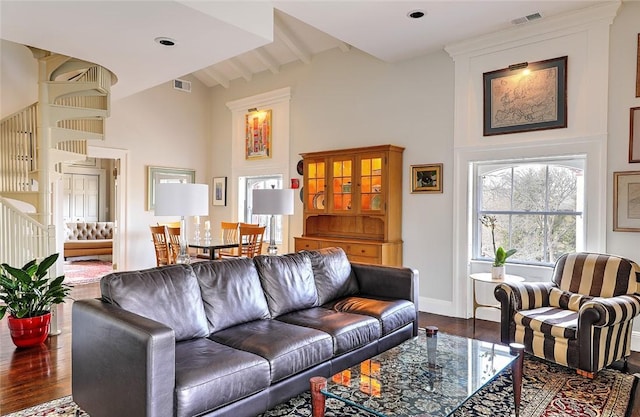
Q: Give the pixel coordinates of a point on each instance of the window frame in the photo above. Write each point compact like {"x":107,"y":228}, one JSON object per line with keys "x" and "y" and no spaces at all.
{"x":480,"y":168}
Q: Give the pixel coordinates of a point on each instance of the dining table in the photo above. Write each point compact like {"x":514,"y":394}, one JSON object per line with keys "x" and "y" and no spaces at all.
{"x":212,"y":246}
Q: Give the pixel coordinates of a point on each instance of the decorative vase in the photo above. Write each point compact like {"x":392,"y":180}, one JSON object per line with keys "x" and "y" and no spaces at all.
{"x":497,"y":272}
{"x":29,"y":331}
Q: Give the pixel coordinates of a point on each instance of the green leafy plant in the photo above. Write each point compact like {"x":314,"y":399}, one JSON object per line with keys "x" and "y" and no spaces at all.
{"x":500,"y":254}
{"x":26,"y":292}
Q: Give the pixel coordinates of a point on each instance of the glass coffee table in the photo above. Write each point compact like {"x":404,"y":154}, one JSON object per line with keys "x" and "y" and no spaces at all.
{"x":424,"y":376}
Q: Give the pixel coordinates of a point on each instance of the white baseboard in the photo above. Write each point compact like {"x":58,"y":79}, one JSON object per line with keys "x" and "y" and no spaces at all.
{"x":446,"y":308}
{"x":635,"y":341}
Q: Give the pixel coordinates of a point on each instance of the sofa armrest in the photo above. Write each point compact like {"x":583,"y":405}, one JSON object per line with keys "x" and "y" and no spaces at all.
{"x":389,"y":282}
{"x":122,"y":363}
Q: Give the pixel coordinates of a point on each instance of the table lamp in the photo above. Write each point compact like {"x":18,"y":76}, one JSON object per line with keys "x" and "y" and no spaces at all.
{"x":273,"y":202}
{"x":180,"y":199}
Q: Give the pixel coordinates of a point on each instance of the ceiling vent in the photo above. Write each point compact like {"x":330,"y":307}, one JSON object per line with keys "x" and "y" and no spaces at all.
{"x":526,"y":19}
{"x":182,"y":85}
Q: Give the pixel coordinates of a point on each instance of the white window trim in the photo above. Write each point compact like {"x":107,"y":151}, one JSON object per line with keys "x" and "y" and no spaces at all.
{"x":595,"y":207}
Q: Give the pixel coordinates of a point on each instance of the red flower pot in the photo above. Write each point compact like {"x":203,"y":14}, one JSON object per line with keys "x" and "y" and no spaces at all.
{"x":30,"y":331}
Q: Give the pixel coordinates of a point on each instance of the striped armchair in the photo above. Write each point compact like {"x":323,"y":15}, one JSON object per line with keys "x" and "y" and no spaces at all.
{"x":582,"y":319}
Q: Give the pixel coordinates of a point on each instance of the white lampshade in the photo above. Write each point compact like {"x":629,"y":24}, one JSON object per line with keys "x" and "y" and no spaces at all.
{"x":273,"y":201}
{"x":180,"y":199}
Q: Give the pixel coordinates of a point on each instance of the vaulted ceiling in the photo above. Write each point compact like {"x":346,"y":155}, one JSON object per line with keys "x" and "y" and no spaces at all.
{"x":221,"y":41}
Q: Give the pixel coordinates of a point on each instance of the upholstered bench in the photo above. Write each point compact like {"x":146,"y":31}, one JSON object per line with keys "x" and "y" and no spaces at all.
{"x":88,"y":238}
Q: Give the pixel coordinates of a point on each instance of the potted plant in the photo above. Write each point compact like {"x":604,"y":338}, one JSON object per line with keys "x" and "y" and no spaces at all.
{"x":500,"y":255}
{"x":28,"y":295}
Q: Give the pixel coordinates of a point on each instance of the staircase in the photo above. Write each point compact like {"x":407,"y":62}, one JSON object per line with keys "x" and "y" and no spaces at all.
{"x":74,"y":100}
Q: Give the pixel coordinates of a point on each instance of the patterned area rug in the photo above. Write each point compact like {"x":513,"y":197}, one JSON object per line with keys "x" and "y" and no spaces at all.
{"x":548,"y":390}
{"x":85,"y":271}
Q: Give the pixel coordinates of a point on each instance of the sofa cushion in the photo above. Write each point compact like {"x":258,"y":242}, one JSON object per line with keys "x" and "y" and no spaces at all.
{"x":349,"y":331}
{"x":289,"y":349}
{"x":332,"y":274}
{"x":231,"y":292}
{"x":392,"y":314}
{"x":169,"y":295}
{"x":287,"y":281}
{"x":210,"y":375}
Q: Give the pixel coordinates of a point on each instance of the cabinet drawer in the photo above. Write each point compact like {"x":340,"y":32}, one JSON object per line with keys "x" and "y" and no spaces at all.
{"x":306,"y":244}
{"x":365,"y":259}
{"x":362,"y":250}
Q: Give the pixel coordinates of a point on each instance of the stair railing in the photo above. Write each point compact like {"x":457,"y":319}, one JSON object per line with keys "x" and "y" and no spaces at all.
{"x":23,"y":238}
{"x":18,"y":144}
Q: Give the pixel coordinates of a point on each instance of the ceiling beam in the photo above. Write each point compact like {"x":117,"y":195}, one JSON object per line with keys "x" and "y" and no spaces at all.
{"x":241,"y":68}
{"x":221,"y":79}
{"x":267,"y":60}
{"x":286,"y":36}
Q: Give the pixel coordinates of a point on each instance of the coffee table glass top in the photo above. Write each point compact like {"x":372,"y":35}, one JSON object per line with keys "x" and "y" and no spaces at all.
{"x":400,"y":381}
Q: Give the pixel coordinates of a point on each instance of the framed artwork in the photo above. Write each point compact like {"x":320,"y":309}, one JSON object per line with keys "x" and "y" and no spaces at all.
{"x":638,"y":69}
{"x":525,"y":97}
{"x":634,"y":135}
{"x":258,"y":134}
{"x":426,"y":178}
{"x":626,"y":201}
{"x":219,"y":190}
{"x":157,"y":175}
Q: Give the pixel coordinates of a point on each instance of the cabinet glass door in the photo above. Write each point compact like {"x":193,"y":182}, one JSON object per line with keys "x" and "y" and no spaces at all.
{"x":371,"y":197}
{"x":341,"y":187}
{"x":315,"y":186}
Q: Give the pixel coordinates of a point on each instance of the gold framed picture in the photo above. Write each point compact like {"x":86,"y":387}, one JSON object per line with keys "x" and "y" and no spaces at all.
{"x":626,"y":201}
{"x":258,"y":134}
{"x":426,"y":178}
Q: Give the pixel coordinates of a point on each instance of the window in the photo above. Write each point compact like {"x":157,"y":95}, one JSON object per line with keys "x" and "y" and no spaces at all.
{"x":538,"y":206}
{"x":260,"y":183}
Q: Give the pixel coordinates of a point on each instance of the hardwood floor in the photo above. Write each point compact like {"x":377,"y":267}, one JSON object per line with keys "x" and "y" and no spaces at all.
{"x":32,"y":376}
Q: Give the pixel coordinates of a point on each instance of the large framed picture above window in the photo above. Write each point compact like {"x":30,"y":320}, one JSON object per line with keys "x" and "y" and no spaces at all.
{"x":525,"y":97}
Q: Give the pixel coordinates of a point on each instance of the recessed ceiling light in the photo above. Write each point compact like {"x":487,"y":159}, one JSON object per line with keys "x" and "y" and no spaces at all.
{"x":416,"y":14}
{"x":165,"y":41}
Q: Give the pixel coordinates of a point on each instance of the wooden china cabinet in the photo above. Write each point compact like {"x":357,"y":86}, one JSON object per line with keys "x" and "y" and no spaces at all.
{"x":353,"y":199}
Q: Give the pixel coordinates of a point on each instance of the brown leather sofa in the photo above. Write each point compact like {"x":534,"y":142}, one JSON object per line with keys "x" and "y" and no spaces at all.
{"x":88,"y":239}
{"x":233,"y":337}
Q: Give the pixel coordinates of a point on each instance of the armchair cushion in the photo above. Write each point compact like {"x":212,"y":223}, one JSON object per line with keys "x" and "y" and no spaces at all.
{"x":551,"y":321}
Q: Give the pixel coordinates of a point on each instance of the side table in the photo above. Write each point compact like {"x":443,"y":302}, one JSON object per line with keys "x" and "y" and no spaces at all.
{"x":486,"y":277}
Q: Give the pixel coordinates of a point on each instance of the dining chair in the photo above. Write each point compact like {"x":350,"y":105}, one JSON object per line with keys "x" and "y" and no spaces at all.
{"x":228,"y":234}
{"x":250,"y":243}
{"x":161,"y":245}
{"x":174,"y":243}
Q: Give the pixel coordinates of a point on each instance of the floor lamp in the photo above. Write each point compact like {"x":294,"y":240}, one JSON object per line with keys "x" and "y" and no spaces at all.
{"x":273,"y":202}
{"x":180,"y":199}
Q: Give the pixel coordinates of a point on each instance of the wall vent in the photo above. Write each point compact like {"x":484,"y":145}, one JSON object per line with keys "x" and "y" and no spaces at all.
{"x":182,"y":85}
{"x":526,"y":19}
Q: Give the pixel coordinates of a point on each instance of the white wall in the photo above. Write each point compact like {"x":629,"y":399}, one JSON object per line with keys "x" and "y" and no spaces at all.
{"x":160,"y":127}
{"x":350,"y":99}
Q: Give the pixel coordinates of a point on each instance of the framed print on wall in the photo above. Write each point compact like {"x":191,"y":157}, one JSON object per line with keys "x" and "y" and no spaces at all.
{"x":525,"y":97}
{"x":634,"y":135}
{"x":157,"y":175}
{"x":219,"y":190}
{"x":258,"y":134}
{"x":426,"y":178}
{"x":626,"y":201}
